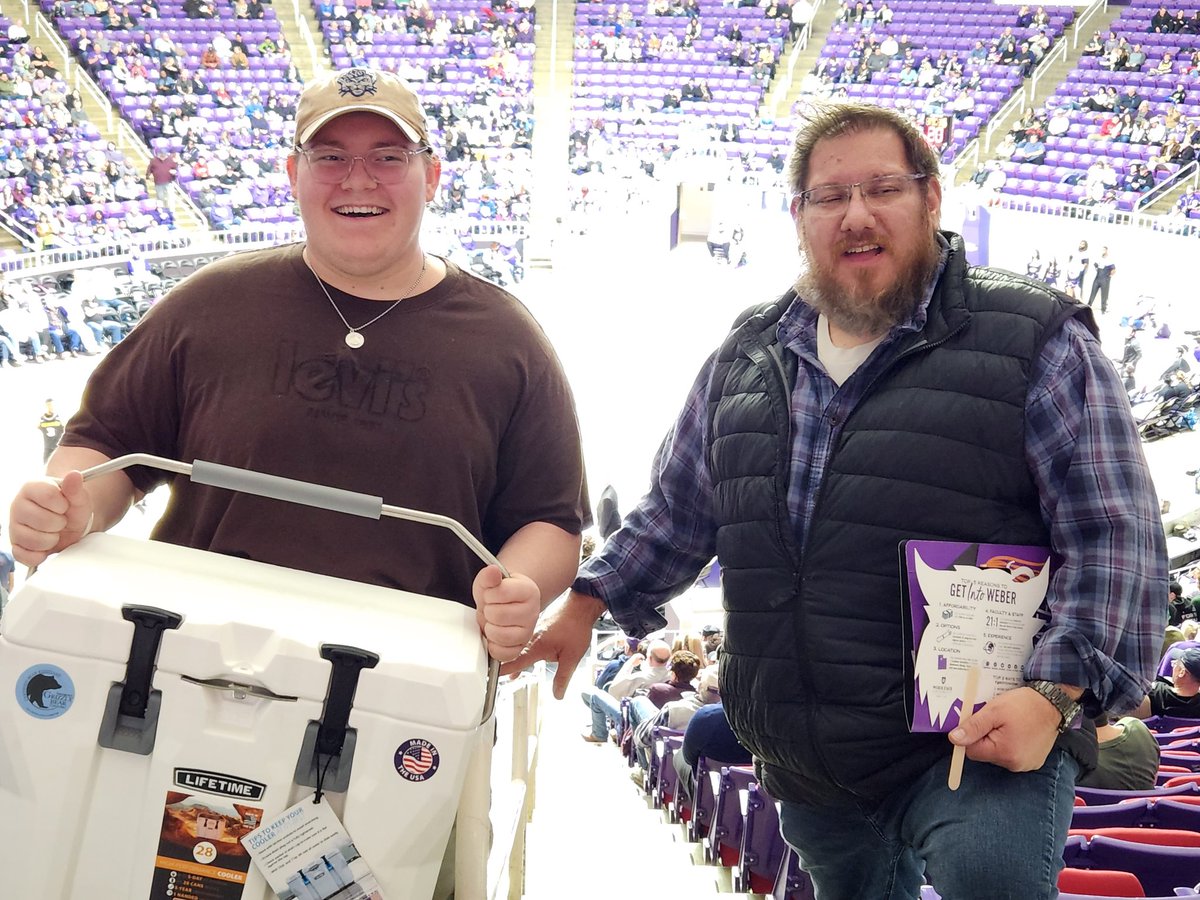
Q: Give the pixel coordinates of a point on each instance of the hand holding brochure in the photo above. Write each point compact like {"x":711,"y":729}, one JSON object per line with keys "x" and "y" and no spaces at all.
{"x":968,"y":605}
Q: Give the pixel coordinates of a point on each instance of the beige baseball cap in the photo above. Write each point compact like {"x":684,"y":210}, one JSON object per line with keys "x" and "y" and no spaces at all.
{"x":359,"y":90}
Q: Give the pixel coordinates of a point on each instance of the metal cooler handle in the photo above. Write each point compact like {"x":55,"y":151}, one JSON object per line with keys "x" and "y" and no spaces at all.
{"x":302,"y":492}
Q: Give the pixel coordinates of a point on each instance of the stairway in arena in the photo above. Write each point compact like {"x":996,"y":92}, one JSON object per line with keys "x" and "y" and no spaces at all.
{"x":593,"y":835}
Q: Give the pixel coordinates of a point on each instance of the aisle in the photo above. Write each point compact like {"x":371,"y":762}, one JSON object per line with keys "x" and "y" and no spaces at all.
{"x":592,"y":834}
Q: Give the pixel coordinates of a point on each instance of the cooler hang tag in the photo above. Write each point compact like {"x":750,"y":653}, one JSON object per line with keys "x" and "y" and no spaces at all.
{"x":305,"y":852}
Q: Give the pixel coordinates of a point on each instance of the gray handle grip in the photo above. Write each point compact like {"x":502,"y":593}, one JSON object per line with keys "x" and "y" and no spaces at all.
{"x":287,"y":489}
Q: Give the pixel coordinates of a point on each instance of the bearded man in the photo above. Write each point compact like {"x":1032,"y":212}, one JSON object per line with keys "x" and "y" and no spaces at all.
{"x":895,"y":393}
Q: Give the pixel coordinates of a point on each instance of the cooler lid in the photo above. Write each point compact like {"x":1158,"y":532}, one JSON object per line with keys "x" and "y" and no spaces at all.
{"x":257,"y":623}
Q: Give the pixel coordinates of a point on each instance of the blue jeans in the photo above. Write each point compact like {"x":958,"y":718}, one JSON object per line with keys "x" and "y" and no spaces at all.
{"x":999,"y":836}
{"x":641,"y":709}
{"x":604,"y":706}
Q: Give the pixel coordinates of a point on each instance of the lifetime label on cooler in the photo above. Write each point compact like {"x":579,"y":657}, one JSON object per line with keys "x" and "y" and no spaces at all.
{"x":200,"y":855}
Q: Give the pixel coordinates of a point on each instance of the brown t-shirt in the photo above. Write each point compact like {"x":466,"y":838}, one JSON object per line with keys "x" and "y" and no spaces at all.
{"x":456,"y":404}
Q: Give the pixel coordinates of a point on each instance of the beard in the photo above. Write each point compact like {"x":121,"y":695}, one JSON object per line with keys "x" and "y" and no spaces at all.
{"x":861,"y":311}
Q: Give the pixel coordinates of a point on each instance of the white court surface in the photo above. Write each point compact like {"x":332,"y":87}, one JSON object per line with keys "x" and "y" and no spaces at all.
{"x":633,"y":325}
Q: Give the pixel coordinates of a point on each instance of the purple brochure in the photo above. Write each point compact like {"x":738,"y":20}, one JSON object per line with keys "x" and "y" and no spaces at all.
{"x":968,"y":605}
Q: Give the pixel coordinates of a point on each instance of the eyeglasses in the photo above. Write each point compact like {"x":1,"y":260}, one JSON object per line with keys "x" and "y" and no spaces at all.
{"x":386,"y":165}
{"x":834,"y":199}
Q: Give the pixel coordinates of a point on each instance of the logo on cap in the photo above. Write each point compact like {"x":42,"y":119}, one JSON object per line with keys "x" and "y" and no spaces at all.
{"x":356,"y":83}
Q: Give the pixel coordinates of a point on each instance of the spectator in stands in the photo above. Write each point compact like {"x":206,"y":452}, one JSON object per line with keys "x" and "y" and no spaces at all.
{"x":1104,"y":99}
{"x":1031,"y":150}
{"x":1135,"y":60}
{"x":713,"y":637}
{"x":361,"y":173}
{"x":720,"y":484}
{"x":685,"y":665}
{"x":1140,"y":179}
{"x":637,"y":672}
{"x":1162,"y":22}
{"x":1179,"y":696}
{"x":707,"y":735}
{"x":1130,"y":100}
{"x":1165,"y":65}
{"x":624,"y":648}
{"x":1179,"y":608}
{"x":1129,"y":755}
{"x":162,"y":171}
{"x":676,"y":715}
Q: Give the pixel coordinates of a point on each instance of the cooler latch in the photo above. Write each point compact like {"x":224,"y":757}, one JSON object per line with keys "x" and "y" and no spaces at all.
{"x":130,"y":720}
{"x":327,"y":753}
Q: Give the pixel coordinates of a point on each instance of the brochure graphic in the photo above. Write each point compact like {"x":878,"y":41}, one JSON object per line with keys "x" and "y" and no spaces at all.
{"x":968,"y":605}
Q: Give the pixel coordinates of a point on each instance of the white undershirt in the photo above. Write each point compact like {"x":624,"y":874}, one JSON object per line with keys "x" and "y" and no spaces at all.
{"x":841,"y":362}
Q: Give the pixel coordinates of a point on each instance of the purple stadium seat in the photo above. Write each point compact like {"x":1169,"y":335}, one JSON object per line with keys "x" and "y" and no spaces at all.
{"x":653,"y":773}
{"x":1103,"y":797}
{"x":666,"y":786}
{"x":704,"y":799}
{"x":1178,"y":734}
{"x":762,"y":845}
{"x":1169,"y":723}
{"x":1184,"y":759}
{"x":1159,"y":869}
{"x":792,"y":883}
{"x":723,"y":846}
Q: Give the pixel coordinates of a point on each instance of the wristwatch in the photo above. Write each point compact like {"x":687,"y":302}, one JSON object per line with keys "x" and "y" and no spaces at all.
{"x":1069,"y":709}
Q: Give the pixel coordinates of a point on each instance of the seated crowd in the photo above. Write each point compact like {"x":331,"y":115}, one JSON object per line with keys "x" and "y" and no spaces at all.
{"x":57,"y":177}
{"x":650,"y":684}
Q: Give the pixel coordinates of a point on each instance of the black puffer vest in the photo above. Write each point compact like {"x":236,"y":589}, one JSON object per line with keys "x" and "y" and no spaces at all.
{"x":812,"y":665}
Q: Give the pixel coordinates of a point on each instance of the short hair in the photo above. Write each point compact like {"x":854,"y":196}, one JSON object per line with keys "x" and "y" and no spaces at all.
{"x":684,"y":665}
{"x":834,"y":120}
{"x":1175,"y":588}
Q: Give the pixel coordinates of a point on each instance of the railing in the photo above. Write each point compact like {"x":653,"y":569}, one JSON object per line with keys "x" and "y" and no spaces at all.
{"x":45,"y":31}
{"x":84,"y":83}
{"x":26,"y":237}
{"x":1156,"y":193}
{"x":1002,"y":114}
{"x":783,"y":85}
{"x":497,"y":798}
{"x":1162,"y":224}
{"x":1094,"y":9}
{"x":1060,"y":51}
{"x":498,"y":230}
{"x":970,"y":153}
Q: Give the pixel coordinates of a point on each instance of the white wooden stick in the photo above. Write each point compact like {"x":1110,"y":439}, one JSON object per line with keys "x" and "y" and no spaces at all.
{"x":968,"y":707}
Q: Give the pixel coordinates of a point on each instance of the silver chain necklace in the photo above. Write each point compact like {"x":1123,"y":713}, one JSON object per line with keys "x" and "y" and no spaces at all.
{"x":354,"y":338}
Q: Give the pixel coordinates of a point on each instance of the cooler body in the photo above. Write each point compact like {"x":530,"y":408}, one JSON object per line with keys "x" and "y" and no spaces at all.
{"x":97,"y":803}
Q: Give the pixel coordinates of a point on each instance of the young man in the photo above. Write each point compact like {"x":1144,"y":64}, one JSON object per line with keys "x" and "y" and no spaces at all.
{"x":354,"y":360}
{"x":895,"y":393}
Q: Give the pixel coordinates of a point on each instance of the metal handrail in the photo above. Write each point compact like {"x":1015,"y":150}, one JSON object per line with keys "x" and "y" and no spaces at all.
{"x":1094,"y":9}
{"x":1016,"y":100}
{"x":1165,"y":187}
{"x":1060,"y":50}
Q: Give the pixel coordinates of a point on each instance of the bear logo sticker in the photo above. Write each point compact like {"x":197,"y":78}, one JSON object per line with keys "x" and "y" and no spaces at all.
{"x":45,"y":691}
{"x":417,"y":760}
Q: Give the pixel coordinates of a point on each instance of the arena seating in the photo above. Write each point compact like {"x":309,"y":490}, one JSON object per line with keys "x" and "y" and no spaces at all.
{"x":248,"y":144}
{"x":924,"y":24}
{"x":1069,"y":155}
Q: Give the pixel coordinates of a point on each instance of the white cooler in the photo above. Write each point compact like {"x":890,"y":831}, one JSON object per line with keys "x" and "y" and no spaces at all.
{"x":112,"y":792}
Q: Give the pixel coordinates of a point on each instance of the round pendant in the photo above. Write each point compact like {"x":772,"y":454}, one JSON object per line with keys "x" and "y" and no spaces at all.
{"x":354,"y":340}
